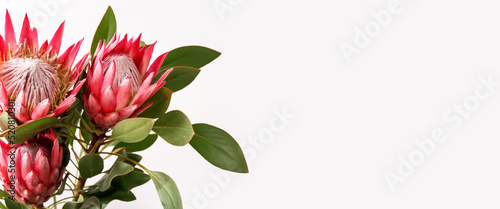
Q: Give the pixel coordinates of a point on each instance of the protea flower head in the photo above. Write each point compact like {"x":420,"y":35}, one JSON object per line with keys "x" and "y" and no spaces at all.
{"x":32,"y":171}
{"x":37,"y":78}
{"x":119,"y":81}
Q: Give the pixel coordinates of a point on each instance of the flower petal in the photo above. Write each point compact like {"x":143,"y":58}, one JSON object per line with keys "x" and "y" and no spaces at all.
{"x":77,"y":87}
{"x":10,"y":36}
{"x":108,"y":102}
{"x":41,"y":190}
{"x":25,"y":31}
{"x":62,"y":58}
{"x":143,"y":88}
{"x":28,"y":195}
{"x":44,"y":46}
{"x":4,"y":98}
{"x":33,"y":39}
{"x":146,"y":58}
{"x":112,"y":119}
{"x":64,"y":106}
{"x":72,"y":55}
{"x":55,"y":43}
{"x":97,"y":78}
{"x":140,"y":110}
{"x":134,"y":47}
{"x":139,"y":100}
{"x":127,"y":112}
{"x":55,"y":155}
{"x":123,"y":94}
{"x":42,"y":166}
{"x":31,"y":180}
{"x":54,"y":175}
{"x":41,"y":110}
{"x":109,"y":77}
{"x":94,"y":105}
{"x":20,"y":109}
{"x":26,"y":164}
{"x":155,"y":66}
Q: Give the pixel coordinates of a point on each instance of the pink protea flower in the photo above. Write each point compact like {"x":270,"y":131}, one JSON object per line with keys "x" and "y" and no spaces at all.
{"x":32,"y":171}
{"x":37,"y":78}
{"x":119,"y":81}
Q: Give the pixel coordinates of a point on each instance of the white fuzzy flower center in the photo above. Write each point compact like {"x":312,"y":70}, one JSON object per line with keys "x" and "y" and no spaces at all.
{"x":35,"y":77}
{"x":125,"y":66}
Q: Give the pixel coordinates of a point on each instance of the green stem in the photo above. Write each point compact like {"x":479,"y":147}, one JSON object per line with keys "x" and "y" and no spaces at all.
{"x":55,"y":202}
{"x":92,"y":149}
{"x":58,"y":202}
{"x":68,"y":136}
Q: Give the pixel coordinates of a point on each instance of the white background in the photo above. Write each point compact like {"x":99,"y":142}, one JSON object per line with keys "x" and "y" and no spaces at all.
{"x":352,"y":120}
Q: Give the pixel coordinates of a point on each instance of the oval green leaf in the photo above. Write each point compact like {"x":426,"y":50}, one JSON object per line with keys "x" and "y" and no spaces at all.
{"x":90,"y":165}
{"x":131,"y":180}
{"x":132,"y":130}
{"x":11,"y":204}
{"x":191,"y":56}
{"x":174,"y":127}
{"x":118,"y":169}
{"x":139,"y":146}
{"x":179,"y":78}
{"x":31,"y":129}
{"x":167,"y":190}
{"x":219,"y":148}
{"x":105,"y":30}
{"x":160,"y":100}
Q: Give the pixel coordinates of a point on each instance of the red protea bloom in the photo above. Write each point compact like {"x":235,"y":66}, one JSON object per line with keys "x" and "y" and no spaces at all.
{"x":31,"y":172}
{"x":41,"y":81}
{"x":119,"y":81}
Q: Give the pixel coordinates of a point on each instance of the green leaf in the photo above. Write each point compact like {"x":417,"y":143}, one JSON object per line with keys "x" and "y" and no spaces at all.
{"x":4,"y":194}
{"x":218,"y":148}
{"x":11,"y":204}
{"x":135,"y":157}
{"x":31,"y":129}
{"x":139,"y":146}
{"x":71,"y":116}
{"x":130,"y":181}
{"x":118,"y":169}
{"x":4,"y":121}
{"x":167,"y":190}
{"x":74,"y":205}
{"x":112,"y":194}
{"x":92,"y":203}
{"x":179,"y":78}
{"x":90,"y":165}
{"x":132,"y":130}
{"x":66,"y":156}
{"x":84,"y":124}
{"x":105,"y":30}
{"x":191,"y":56}
{"x":174,"y":127}
{"x":2,"y":206}
{"x":161,"y":100}
{"x":63,"y":185}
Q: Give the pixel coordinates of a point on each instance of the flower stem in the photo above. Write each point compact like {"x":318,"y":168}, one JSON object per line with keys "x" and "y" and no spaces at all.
{"x":95,"y":143}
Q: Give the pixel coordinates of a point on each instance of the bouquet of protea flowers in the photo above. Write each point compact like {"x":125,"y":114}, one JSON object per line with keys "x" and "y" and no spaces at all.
{"x":111,"y":102}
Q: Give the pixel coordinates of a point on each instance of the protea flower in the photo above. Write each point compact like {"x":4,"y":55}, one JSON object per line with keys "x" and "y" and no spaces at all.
{"x":31,"y":171}
{"x":119,"y":81}
{"x":41,"y":81}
